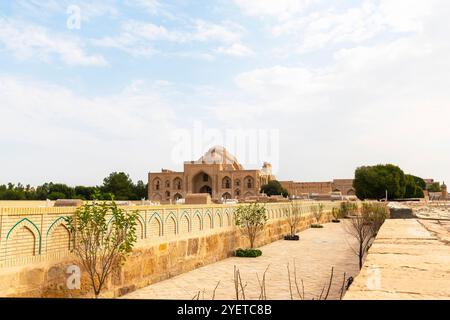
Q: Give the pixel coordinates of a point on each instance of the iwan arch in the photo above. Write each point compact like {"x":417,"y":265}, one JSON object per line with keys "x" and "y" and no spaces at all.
{"x":217,"y":172}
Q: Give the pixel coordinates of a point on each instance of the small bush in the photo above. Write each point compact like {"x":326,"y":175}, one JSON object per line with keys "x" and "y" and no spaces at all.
{"x":316,"y":226}
{"x":249,"y":253}
{"x":292,"y":237}
{"x":336,"y":212}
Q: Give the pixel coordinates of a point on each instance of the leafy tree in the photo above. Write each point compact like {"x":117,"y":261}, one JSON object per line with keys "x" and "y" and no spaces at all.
{"x":119,"y":184}
{"x":293,"y":215}
{"x":274,"y":188}
{"x":85,"y":193}
{"x":317,"y":211}
{"x":412,"y":188}
{"x":56,"y":195}
{"x":104,"y":236}
{"x":251,"y":219}
{"x":365,"y":226}
{"x":140,"y":190}
{"x":371,"y":182}
{"x":420,"y":182}
{"x":434,"y":187}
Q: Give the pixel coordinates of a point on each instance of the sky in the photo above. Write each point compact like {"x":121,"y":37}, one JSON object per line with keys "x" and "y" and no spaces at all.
{"x":92,"y":87}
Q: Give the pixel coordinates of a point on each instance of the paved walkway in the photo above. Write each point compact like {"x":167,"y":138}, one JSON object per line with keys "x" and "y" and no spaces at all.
{"x":315,"y":254}
{"x":410,"y":259}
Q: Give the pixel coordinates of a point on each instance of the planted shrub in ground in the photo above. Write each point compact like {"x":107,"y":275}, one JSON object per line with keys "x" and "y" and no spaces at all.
{"x":347,"y":209}
{"x":249,"y":253}
{"x":251,"y":219}
{"x":317,"y":212}
{"x":365,"y":226}
{"x":336,"y":212}
{"x":293,"y":215}
{"x":104,"y":236}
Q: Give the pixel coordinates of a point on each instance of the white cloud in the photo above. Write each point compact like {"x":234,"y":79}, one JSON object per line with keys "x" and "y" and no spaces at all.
{"x":77,"y":139}
{"x":28,"y":41}
{"x":236,"y":49}
{"x":142,"y":38}
{"x":379,"y":102}
{"x":281,"y":9}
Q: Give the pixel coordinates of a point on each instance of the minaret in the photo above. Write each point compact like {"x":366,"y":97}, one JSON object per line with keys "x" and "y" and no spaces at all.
{"x":444,"y":191}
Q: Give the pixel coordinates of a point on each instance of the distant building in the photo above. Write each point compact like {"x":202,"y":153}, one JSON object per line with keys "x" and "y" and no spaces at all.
{"x":300,"y":189}
{"x":217,"y":172}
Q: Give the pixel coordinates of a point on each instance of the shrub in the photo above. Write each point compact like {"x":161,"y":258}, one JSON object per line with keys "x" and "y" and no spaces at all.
{"x":336,"y":212}
{"x":251,"y":220}
{"x":248,"y":253}
{"x":317,"y":212}
{"x":104,"y":236}
{"x":293,"y":216}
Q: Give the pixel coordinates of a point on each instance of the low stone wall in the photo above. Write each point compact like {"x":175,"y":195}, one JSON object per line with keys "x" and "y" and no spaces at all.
{"x":170,"y":242}
{"x":409,"y":259}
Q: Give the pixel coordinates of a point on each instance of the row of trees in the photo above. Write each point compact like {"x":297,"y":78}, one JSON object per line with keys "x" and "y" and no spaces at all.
{"x":118,"y":184}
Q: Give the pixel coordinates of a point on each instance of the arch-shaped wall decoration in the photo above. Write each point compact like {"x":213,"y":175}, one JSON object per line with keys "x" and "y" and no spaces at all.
{"x":249,"y":182}
{"x":227,"y":217}
{"x":207,"y":221}
{"x":226,"y":182}
{"x":186,"y":215}
{"x":171,"y":225}
{"x":61,"y":221}
{"x":25,"y":222}
{"x":156,"y":226}
{"x":185,"y":224}
{"x":218,"y":221}
{"x":196,"y":222}
{"x":140,"y":228}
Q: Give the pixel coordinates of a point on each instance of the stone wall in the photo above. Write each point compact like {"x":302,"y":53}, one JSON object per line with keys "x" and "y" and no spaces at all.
{"x":35,"y":246}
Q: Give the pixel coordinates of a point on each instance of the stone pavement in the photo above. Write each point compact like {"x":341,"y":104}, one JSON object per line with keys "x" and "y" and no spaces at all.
{"x":410,"y":259}
{"x":317,"y":251}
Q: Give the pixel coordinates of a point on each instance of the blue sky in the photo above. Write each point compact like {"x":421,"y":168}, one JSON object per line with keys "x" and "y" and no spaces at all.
{"x":344,"y":83}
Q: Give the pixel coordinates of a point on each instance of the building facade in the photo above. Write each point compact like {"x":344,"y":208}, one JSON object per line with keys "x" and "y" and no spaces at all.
{"x":217,"y":172}
{"x":298,"y":189}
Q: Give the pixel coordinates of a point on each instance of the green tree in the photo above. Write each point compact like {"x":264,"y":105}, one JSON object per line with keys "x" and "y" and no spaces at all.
{"x":371,"y":182}
{"x":251,"y":219}
{"x":274,"y":188}
{"x":120,"y":185}
{"x":85,"y":193}
{"x":434,"y":187}
{"x":420,"y":182}
{"x":293,"y":215}
{"x":56,"y":195}
{"x":140,"y":190}
{"x":104,"y":236}
{"x":412,"y":188}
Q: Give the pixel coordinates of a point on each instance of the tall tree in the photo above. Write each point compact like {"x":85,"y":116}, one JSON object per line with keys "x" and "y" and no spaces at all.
{"x":274,"y":188}
{"x":120,"y":185}
{"x":371,"y":182}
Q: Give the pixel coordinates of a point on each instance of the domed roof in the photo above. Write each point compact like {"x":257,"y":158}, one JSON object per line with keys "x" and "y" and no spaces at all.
{"x":218,"y":154}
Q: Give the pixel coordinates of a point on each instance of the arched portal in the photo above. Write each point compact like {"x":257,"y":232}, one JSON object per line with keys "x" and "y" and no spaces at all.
{"x":226,"y":196}
{"x":206,"y":189}
{"x":202,"y":183}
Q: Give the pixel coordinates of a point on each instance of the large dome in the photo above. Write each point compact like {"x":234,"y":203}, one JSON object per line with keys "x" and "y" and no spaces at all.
{"x":218,"y":154}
